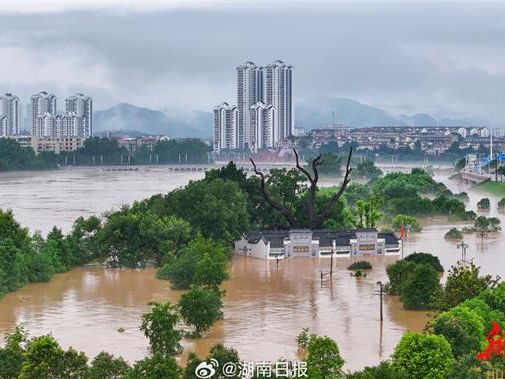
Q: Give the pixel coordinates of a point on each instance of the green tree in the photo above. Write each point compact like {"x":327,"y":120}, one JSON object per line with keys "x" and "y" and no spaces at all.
{"x":484,"y":203}
{"x":368,"y":212}
{"x":367,"y":169}
{"x":200,"y":307}
{"x":495,"y":297}
{"x":132,"y":238}
{"x":160,"y":328}
{"x":13,"y":156}
{"x":331,"y":164}
{"x":454,"y":234}
{"x":323,"y":359}
{"x":482,"y":226}
{"x":397,"y":274}
{"x":222,"y":355}
{"x":383,"y":371}
{"x":45,"y":358}
{"x":217,"y":209}
{"x":501,"y":203}
{"x":462,"y":327}
{"x":12,"y":355}
{"x":156,"y":367}
{"x":405,"y":220}
{"x":425,"y":258}
{"x":106,"y":366}
{"x":423,"y":356}
{"x":203,"y":262}
{"x":421,"y":288}
{"x":464,"y":282}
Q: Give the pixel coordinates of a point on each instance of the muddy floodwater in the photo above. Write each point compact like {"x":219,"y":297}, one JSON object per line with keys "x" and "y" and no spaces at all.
{"x":266,"y":304}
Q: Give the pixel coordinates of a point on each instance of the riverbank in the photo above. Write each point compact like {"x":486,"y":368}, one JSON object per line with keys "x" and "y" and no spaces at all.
{"x":494,"y":188}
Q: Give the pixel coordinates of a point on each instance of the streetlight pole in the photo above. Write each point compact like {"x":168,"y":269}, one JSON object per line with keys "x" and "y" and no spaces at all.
{"x":379,"y":283}
{"x":331,"y":263}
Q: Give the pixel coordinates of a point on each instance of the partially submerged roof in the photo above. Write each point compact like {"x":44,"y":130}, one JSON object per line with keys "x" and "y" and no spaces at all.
{"x":325,"y":236}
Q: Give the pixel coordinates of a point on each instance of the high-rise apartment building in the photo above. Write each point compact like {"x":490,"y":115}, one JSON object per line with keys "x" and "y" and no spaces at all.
{"x":42,"y":103}
{"x":77,"y":121}
{"x":249,"y":92}
{"x":45,"y":126}
{"x":263,"y":123}
{"x":264,"y":111}
{"x":225,"y":127}
{"x":278,"y":91}
{"x":82,"y":106}
{"x":10,"y":108}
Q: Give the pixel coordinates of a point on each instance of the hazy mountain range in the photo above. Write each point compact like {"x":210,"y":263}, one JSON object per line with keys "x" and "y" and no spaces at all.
{"x":130,"y":119}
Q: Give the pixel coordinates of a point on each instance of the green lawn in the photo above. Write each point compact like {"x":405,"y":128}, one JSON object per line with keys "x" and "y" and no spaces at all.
{"x":495,"y":188}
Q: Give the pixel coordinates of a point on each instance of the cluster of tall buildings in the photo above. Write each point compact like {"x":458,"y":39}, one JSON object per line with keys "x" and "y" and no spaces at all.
{"x":42,"y":118}
{"x":263,"y":116}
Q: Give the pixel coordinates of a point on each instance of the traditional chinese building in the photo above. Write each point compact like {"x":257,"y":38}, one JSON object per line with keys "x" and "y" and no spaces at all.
{"x":272,"y":244}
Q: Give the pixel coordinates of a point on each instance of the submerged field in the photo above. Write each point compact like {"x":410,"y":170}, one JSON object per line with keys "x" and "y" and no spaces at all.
{"x":495,"y":188}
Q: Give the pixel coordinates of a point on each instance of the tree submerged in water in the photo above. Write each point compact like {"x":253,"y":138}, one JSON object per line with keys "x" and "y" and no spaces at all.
{"x":313,"y":214}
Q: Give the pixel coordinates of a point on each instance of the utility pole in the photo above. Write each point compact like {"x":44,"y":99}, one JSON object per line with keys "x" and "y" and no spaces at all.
{"x":331,"y":263}
{"x":379,"y":283}
{"x":496,"y":167}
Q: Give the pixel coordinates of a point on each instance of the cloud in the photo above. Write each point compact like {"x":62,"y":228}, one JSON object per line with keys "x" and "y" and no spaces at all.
{"x":443,"y":58}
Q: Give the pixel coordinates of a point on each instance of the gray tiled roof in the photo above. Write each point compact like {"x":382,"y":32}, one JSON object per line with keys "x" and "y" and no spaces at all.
{"x":325,"y":237}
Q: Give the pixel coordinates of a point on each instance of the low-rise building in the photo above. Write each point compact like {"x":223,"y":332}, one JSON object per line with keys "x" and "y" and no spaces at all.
{"x":57,"y":144}
{"x":273,"y":244}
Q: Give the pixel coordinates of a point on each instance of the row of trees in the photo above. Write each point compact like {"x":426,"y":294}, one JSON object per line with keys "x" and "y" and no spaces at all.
{"x":25,"y":258}
{"x":103,"y":151}
{"x":13,"y":156}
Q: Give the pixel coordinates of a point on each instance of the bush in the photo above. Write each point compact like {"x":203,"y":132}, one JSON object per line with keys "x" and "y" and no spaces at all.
{"x":425,"y":258}
{"x":501,"y":204}
{"x":405,"y":220}
{"x":423,"y":356}
{"x":397,"y":273}
{"x":454,"y":234}
{"x":462,"y":327}
{"x":463,"y":283}
{"x":360,"y":265}
{"x":421,"y":288}
{"x":323,"y":359}
{"x":484,"y":204}
{"x":383,"y":371}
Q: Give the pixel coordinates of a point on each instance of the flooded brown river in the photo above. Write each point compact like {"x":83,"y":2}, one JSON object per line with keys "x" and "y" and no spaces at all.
{"x":266,"y":305}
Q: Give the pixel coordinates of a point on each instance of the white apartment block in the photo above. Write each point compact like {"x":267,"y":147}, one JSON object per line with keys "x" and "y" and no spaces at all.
{"x":42,"y":105}
{"x":264,"y":111}
{"x":82,"y":106}
{"x":249,"y":91}
{"x":278,"y":91}
{"x":10,"y":108}
{"x":45,"y":126}
{"x":263,"y":123}
{"x":62,"y":125}
{"x":225,"y":127}
{"x":75,"y":122}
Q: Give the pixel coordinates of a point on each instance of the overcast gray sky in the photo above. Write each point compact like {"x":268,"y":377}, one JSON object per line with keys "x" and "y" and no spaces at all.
{"x":443,"y":58}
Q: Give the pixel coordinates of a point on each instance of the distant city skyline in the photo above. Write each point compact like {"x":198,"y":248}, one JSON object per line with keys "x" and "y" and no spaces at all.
{"x":443,"y":59}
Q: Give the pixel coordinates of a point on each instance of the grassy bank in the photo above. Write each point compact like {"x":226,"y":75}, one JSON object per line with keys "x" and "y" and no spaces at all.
{"x":495,"y":188}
